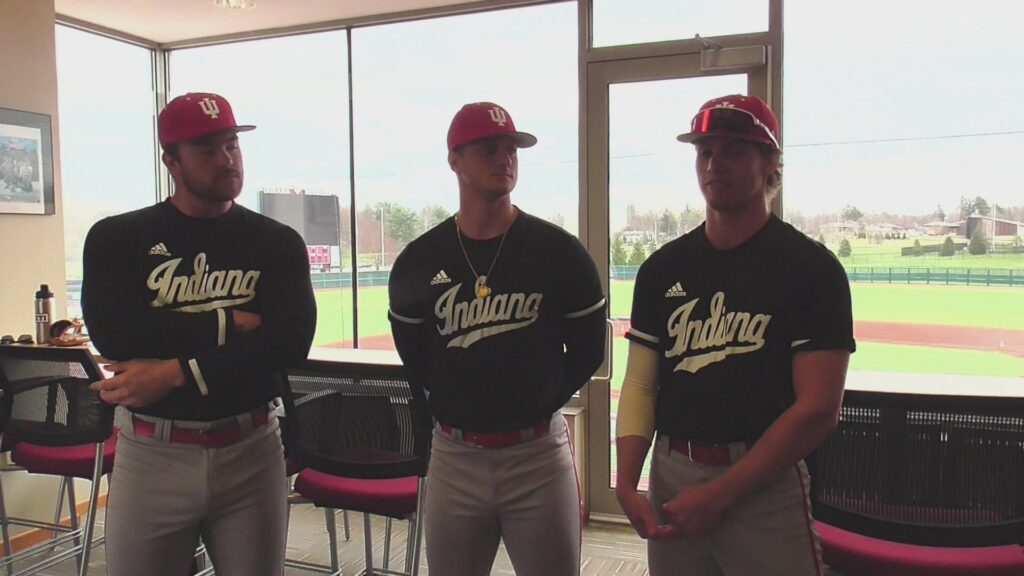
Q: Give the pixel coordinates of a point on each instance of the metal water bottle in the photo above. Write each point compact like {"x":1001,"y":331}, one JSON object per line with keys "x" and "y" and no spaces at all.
{"x":44,"y":313}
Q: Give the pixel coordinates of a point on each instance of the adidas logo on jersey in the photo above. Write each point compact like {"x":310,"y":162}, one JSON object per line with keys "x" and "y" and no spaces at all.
{"x":676,"y":291}
{"x":159,"y":250}
{"x":440,"y":278}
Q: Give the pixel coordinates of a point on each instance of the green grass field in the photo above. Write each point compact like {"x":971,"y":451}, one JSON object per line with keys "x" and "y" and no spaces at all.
{"x":977,"y":306}
{"x":334,"y":314}
{"x":996,"y":308}
{"x":972,"y":306}
{"x":880,"y":357}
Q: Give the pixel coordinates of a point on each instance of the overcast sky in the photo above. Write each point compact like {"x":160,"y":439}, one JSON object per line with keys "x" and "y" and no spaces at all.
{"x":896,"y":106}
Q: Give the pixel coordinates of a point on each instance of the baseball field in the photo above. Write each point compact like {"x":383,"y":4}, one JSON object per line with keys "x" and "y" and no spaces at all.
{"x":968,"y":330}
{"x":960,"y":330}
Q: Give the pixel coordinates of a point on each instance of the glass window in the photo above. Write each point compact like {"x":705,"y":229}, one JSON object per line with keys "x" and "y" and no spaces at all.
{"x":618,"y":22}
{"x":108,"y":162}
{"x":409,"y":79}
{"x":902,"y":154}
{"x":295,"y":90}
{"x":652,"y":191}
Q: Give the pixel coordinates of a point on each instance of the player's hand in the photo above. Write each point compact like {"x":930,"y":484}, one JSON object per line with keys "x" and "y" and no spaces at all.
{"x":638,"y":509}
{"x":245,"y":321}
{"x":139,"y":383}
{"x":696,"y":510}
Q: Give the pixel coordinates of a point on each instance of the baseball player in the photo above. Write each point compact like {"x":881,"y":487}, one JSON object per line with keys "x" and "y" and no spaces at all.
{"x":740,"y":336}
{"x":200,"y":303}
{"x":500,"y":317}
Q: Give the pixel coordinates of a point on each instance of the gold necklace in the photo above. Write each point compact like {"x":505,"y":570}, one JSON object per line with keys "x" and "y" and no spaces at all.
{"x":480,"y":286}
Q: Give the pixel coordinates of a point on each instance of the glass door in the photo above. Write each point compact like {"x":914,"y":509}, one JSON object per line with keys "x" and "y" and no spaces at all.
{"x":641,"y":193}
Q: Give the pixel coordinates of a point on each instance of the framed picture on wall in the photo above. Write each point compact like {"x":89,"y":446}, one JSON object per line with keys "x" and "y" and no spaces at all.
{"x":26,"y":163}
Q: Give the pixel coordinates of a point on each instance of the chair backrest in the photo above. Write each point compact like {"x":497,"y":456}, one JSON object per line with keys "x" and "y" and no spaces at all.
{"x":5,"y":411}
{"x":355,"y":420}
{"x":47,"y":396}
{"x":927,"y":470}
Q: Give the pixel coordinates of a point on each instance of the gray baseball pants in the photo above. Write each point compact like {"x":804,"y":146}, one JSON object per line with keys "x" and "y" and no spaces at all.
{"x":526,"y":494}
{"x":164,"y":496}
{"x":768,"y":532}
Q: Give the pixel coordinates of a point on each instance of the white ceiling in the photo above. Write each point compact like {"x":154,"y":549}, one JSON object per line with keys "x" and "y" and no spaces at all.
{"x":168,"y":21}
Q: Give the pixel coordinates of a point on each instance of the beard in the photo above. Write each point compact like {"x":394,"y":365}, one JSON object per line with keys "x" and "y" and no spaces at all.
{"x":221,"y":188}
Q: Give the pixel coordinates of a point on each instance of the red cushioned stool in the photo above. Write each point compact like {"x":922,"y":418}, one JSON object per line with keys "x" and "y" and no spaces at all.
{"x":856,"y":555}
{"x":363,"y":434}
{"x":70,"y":461}
{"x":394,"y":497}
{"x":918,"y":484}
{"x":55,"y":425}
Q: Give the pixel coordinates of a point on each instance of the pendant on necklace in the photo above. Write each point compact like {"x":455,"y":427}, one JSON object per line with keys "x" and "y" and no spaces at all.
{"x":482,"y":290}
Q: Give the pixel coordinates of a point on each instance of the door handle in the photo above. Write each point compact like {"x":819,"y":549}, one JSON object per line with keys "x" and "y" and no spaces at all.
{"x":609,"y":335}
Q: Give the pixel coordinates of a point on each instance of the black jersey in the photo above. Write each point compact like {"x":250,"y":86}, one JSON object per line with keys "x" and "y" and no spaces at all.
{"x":510,"y":359}
{"x":159,"y":284}
{"x":727,"y":323}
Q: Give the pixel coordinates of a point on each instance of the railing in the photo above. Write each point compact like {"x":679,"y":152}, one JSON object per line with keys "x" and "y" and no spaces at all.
{"x":941,"y":276}
{"x":367,"y":279}
{"x":903,"y":275}
{"x":1008,"y":255}
{"x":623,"y":272}
{"x":870,"y":274}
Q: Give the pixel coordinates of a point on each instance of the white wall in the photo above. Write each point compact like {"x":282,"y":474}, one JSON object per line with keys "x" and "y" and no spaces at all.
{"x":31,"y":247}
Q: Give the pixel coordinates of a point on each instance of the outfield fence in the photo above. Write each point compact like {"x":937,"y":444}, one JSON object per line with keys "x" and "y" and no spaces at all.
{"x":323,"y":280}
{"x":903,"y":275}
{"x":868,"y":274}
{"x":993,"y":258}
{"x":941,"y":276}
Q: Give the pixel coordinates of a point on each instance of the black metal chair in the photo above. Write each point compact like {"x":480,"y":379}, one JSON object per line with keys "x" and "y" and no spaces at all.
{"x":919,"y":470}
{"x":55,"y":425}
{"x":362,"y":434}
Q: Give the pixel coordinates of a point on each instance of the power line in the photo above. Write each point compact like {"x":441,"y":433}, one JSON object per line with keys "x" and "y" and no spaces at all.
{"x":910,"y":139}
{"x":852,"y":142}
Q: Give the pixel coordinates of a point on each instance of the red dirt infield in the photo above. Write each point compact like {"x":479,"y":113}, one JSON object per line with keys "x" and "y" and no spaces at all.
{"x":382,"y":342}
{"x":942,"y":336}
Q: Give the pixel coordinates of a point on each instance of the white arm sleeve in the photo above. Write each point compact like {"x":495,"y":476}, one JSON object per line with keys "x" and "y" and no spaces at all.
{"x":639,"y":393}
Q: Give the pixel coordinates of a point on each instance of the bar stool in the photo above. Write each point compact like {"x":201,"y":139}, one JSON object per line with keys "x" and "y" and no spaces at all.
{"x":55,"y":425}
{"x":363,"y":434}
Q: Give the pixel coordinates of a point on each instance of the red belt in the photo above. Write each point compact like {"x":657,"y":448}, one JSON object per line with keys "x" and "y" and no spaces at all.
{"x":498,"y":439}
{"x":219,"y":437}
{"x":707,"y":453}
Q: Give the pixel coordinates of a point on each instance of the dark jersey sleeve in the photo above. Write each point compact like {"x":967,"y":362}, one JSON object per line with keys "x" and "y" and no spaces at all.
{"x":408,"y":326}
{"x":584,"y":319}
{"x":643,"y":320}
{"x":122,"y":325}
{"x":288,"y":322}
{"x":824,"y":316}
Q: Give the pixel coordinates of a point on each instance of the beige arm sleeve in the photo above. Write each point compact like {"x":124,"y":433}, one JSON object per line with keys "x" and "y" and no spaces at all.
{"x":639,"y":393}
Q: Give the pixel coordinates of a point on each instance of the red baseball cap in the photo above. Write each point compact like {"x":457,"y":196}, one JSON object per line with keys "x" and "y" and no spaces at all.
{"x":195,"y":115}
{"x":735,"y":116}
{"x":484,"y":120}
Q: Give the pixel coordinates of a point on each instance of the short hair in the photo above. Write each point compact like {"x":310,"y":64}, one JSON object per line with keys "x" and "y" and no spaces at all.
{"x":775,"y":178}
{"x":172,"y":150}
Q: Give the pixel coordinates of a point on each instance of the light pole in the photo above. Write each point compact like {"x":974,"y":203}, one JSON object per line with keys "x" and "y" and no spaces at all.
{"x":382,"y":237}
{"x":992,"y":236}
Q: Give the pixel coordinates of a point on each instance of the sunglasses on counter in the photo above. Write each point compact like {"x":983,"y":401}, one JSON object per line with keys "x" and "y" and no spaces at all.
{"x":23,"y":339}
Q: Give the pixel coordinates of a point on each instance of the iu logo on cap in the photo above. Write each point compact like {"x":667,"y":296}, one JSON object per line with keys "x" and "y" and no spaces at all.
{"x":498,"y":116}
{"x":209,"y":107}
